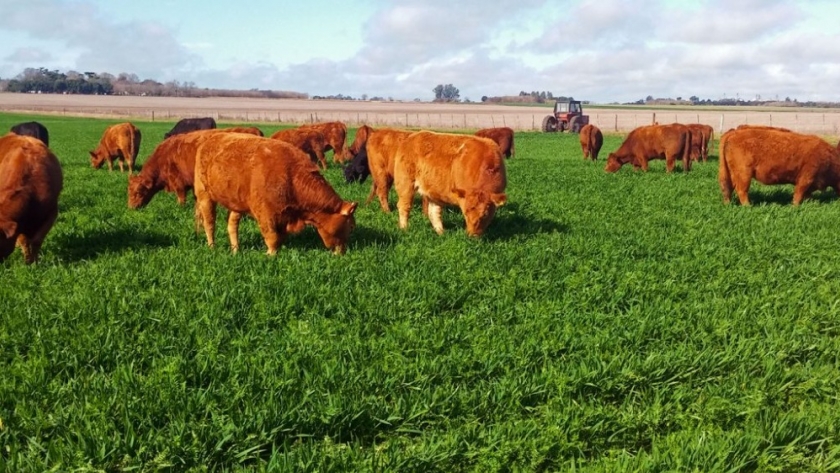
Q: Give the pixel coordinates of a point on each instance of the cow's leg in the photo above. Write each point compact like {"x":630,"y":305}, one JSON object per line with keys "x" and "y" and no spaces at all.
{"x":110,"y":165}
{"x":405,"y":197}
{"x":382,"y":186}
{"x":206,"y":214}
{"x":181,"y":195}
{"x":669,"y":163}
{"x":233,"y":230}
{"x":802,"y":190}
{"x":322,"y":161}
{"x":743,"y":190}
{"x":435,"y":217}
{"x":272,"y":232}
{"x":372,"y":192}
{"x":31,"y":246}
{"x":120,"y":162}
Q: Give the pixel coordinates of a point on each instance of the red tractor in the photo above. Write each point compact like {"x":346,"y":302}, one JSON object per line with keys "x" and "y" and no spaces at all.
{"x":567,"y":116}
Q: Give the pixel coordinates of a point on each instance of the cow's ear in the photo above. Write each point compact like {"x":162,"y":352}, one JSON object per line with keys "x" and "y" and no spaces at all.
{"x":8,"y":228}
{"x":461,"y":193}
{"x":348,"y":208}
{"x":498,"y":199}
{"x":92,"y":154}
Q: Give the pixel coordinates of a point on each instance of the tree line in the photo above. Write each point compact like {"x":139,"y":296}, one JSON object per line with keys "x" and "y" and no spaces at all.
{"x":43,"y":80}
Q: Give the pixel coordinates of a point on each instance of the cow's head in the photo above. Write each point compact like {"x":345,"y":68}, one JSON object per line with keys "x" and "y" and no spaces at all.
{"x":335,"y":229}
{"x":479,"y":208}
{"x":357,"y":170}
{"x":96,"y":158}
{"x":141,"y":189}
{"x":614,"y":163}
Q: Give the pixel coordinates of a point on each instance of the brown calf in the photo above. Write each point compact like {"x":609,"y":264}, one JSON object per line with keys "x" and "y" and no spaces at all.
{"x":120,"y":142}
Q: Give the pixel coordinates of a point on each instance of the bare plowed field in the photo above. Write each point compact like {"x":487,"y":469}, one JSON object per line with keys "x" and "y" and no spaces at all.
{"x":404,"y":114}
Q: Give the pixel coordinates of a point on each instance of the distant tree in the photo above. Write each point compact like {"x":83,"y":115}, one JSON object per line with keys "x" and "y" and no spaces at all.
{"x":649,"y":98}
{"x":483,"y":98}
{"x":446,"y":93}
{"x":694,"y":99}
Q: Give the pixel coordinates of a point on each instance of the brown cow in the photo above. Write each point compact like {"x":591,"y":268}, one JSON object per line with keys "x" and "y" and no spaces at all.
{"x":381,"y":148}
{"x":30,"y":182}
{"x":776,"y":157}
{"x":120,"y":142}
{"x":450,"y":169}
{"x":701,"y":136}
{"x":362,"y":135}
{"x":591,"y":140}
{"x":309,"y":141}
{"x":171,"y":167}
{"x":335,"y":135}
{"x":251,"y":130}
{"x":668,"y":142}
{"x":274,"y":182}
{"x":503,"y":136}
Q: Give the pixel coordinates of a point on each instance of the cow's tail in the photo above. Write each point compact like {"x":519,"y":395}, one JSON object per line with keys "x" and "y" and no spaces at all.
{"x":724,"y":175}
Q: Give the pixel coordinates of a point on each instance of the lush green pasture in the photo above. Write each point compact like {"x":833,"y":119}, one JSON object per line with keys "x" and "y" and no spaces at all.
{"x":606,"y":322}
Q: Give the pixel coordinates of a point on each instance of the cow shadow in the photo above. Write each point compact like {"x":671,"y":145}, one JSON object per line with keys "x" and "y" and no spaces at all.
{"x":510,"y":222}
{"x":781,"y":196}
{"x":309,"y":240}
{"x":75,"y":248}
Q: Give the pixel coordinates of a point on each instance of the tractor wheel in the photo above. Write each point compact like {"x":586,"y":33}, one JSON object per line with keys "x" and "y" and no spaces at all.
{"x":574,"y":125}
{"x":549,"y":124}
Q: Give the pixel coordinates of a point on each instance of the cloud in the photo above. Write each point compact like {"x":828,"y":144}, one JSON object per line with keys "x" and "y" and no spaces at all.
{"x":29,"y":55}
{"x":145,"y":48}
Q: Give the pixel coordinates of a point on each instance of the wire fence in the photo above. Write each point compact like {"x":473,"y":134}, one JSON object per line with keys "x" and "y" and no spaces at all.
{"x":823,"y":123}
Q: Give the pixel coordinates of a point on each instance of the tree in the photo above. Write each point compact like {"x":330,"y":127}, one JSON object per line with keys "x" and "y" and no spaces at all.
{"x":694,"y":99}
{"x":649,"y":98}
{"x":446,"y":93}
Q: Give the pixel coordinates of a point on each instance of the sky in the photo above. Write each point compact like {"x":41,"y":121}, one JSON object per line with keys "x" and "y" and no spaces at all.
{"x":599,"y":50}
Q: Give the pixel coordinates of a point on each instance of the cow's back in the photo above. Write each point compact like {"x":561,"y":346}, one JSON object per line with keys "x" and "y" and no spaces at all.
{"x":382,"y":147}
{"x":33,"y":129}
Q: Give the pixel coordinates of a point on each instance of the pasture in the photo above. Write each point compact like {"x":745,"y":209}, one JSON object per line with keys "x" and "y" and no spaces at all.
{"x":606,"y":322}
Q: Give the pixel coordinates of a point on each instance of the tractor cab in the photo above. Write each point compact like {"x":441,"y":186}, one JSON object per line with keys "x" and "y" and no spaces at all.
{"x":568,"y":115}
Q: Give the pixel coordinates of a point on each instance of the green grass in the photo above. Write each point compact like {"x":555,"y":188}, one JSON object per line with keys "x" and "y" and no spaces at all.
{"x":606,"y":322}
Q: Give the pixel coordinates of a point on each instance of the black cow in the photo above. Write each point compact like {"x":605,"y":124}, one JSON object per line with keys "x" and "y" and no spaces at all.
{"x":187,"y":125}
{"x":33,"y":129}
{"x":358,"y":169}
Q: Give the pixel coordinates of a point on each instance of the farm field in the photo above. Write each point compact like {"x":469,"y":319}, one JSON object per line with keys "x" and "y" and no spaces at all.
{"x":605,"y":322}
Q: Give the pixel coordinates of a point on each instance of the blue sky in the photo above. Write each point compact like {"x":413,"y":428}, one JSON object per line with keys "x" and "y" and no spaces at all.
{"x":599,"y":50}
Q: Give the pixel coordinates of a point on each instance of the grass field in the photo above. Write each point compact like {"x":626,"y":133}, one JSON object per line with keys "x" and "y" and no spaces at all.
{"x":606,"y":322}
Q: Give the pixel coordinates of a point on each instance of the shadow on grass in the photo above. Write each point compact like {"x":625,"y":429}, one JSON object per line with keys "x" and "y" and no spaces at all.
{"x":74,"y":248}
{"x":783,"y":196}
{"x":308,"y":239}
{"x":509,"y":222}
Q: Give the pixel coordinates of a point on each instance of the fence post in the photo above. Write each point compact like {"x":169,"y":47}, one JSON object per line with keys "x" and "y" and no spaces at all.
{"x":153,"y":115}
{"x":653,"y":120}
{"x":616,"y":122}
{"x":720,"y":129}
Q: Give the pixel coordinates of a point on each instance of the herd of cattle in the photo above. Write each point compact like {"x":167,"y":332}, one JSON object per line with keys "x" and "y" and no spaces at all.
{"x":278,"y":180}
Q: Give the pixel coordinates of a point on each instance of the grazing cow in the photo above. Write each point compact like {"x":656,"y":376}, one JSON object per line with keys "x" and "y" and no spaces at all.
{"x":335,"y":135}
{"x":503,"y":136}
{"x":776,"y":157}
{"x":381,"y":148}
{"x":669,"y":142}
{"x":30,"y":182}
{"x":450,"y":169}
{"x":591,"y":140}
{"x":187,"y":125}
{"x":701,"y":136}
{"x":33,"y":129}
{"x":251,"y":130}
{"x":274,"y":182}
{"x":171,"y":167}
{"x":309,"y":141}
{"x":357,"y":170}
{"x":362,"y":135}
{"x":120,"y":142}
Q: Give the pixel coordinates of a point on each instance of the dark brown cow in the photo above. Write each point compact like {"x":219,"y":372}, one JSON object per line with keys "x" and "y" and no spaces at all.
{"x":591,"y":140}
{"x":381,"y":148}
{"x":120,"y":142}
{"x":33,"y":129}
{"x":30,"y":183}
{"x":272,"y":181}
{"x":335,"y":136}
{"x":503,"y":136}
{"x":310,"y":141}
{"x":171,"y":167}
{"x":450,"y":169}
{"x":250,"y":130}
{"x":776,"y":157}
{"x":701,"y":136}
{"x":187,"y":125}
{"x":668,"y":142}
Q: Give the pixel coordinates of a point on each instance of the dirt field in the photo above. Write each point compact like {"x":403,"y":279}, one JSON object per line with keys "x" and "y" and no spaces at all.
{"x":402,"y":114}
